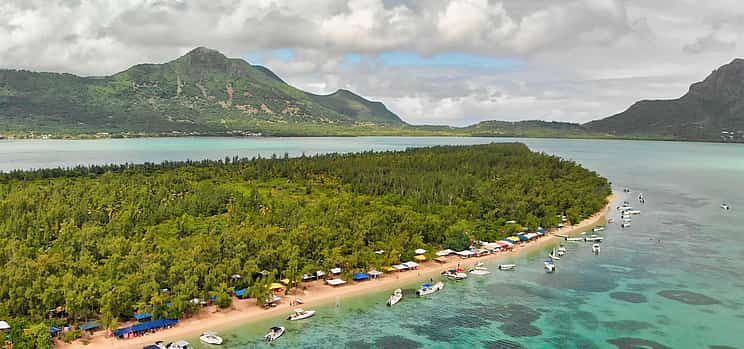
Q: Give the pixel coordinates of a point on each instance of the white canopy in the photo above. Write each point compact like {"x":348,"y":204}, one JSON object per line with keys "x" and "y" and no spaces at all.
{"x":335,"y":282}
{"x":400,"y":266}
{"x":336,"y":271}
{"x":446,"y":252}
{"x":4,"y":325}
{"x":374,"y":273}
{"x":420,"y":251}
{"x":411,"y":264}
{"x":466,"y":253}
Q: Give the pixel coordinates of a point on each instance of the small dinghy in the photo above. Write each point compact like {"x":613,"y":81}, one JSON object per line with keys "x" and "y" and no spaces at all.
{"x":395,"y":297}
{"x":274,"y":333}
{"x":625,"y":225}
{"x":595,"y":249}
{"x":427,"y":289}
{"x":575,"y":239}
{"x":549,"y":266}
{"x":507,"y":266}
{"x":300,"y":314}
{"x":725,"y":206}
{"x":593,"y":238}
{"x":211,"y":338}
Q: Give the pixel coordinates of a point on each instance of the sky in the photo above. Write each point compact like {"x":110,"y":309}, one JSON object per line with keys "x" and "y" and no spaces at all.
{"x":447,"y":62}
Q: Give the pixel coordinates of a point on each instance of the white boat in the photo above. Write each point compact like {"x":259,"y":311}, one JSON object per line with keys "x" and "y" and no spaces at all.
{"x":300,"y":314}
{"x":561,"y":251}
{"x":625,"y":225}
{"x":453,"y":274}
{"x":575,"y":239}
{"x":480,"y":272}
{"x":210,"y":338}
{"x":595,"y":248}
{"x":274,"y":333}
{"x":553,"y":255}
{"x":627,"y":220}
{"x":561,"y":235}
{"x":593,"y":238}
{"x":395,"y":297}
{"x":600,"y":228}
{"x":725,"y":206}
{"x":549,"y":266}
{"x":427,"y":289}
{"x":633,"y":212}
{"x":179,"y":345}
{"x":507,"y":266}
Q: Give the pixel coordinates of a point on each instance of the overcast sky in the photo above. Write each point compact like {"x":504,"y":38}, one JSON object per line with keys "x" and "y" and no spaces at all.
{"x":450,"y":62}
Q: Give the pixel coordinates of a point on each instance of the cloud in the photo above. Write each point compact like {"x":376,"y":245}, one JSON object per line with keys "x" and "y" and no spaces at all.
{"x":436,"y":61}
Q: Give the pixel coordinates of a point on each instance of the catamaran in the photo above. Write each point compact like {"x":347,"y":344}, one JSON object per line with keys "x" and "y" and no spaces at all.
{"x":395,"y":297}
{"x":300,"y":314}
{"x":427,"y":289}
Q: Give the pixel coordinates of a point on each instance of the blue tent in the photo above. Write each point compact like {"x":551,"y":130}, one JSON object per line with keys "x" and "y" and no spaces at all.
{"x":142,"y":316}
{"x":54,"y":330}
{"x":241,"y":293}
{"x":360,"y":276}
{"x":145,"y":326}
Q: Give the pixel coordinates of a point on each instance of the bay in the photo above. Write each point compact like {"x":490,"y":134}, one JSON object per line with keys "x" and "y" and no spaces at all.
{"x":675,"y":279}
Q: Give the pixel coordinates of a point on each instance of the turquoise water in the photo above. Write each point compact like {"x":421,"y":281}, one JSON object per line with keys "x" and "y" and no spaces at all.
{"x":675,"y":279}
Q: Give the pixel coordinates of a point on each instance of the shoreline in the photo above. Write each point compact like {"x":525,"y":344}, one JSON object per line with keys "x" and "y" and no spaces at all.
{"x":243,"y":311}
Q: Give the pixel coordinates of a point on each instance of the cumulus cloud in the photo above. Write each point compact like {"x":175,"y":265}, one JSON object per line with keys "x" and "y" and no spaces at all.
{"x":578,"y":59}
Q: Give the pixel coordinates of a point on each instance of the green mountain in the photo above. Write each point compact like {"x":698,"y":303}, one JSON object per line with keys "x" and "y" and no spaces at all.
{"x":711,"y":110}
{"x":202,"y":91}
{"x":529,"y":128}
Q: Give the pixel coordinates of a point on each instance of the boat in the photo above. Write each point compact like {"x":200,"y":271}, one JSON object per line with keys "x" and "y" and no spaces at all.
{"x":427,"y":289}
{"x":211,"y":338}
{"x":626,"y":190}
{"x":597,"y":229}
{"x":561,"y":235}
{"x":507,"y":266}
{"x":553,"y":255}
{"x":725,"y":206}
{"x":595,"y":248}
{"x":549,"y":266}
{"x":455,"y":274}
{"x":274,"y":333}
{"x":561,"y":251}
{"x":179,"y":345}
{"x":593,"y":238}
{"x":300,"y":314}
{"x":632,"y":212}
{"x":395,"y":297}
{"x":480,"y":272}
{"x":575,"y":239}
{"x":625,"y":225}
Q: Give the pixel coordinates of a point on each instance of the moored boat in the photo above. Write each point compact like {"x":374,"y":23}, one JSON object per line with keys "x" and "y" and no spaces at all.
{"x":553,"y":255}
{"x":507,"y":266}
{"x":210,"y":338}
{"x":179,"y":345}
{"x":427,"y":289}
{"x":454,"y":274}
{"x":575,"y":239}
{"x":595,"y":248}
{"x":625,"y":225}
{"x":561,"y":251}
{"x":598,"y":228}
{"x":300,"y":314}
{"x":593,"y":238}
{"x":549,"y":266}
{"x":274,"y":333}
{"x":725,"y":206}
{"x":395,"y":297}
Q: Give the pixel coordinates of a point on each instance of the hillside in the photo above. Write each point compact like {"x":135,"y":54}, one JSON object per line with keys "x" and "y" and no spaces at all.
{"x":202,"y":91}
{"x":711,"y":110}
{"x":530,"y":128}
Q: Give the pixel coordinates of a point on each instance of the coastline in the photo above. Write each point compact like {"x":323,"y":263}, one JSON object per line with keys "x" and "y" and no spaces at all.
{"x":317,"y":293}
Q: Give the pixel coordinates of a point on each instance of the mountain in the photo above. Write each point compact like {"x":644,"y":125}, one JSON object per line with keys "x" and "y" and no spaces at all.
{"x":529,"y":128}
{"x":712,"y":110}
{"x":202,"y":91}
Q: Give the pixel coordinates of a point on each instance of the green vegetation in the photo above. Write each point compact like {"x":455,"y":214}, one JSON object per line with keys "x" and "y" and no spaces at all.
{"x":104,"y":241}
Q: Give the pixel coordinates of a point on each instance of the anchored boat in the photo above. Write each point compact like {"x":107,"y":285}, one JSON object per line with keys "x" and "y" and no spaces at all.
{"x":395,"y":297}
{"x":427,"y":289}
{"x":300,"y":314}
{"x":211,"y":338}
{"x":274,"y":333}
{"x":595,"y":248}
{"x":507,"y":266}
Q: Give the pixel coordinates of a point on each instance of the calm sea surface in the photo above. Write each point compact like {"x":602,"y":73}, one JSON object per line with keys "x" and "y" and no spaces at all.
{"x":675,"y":279}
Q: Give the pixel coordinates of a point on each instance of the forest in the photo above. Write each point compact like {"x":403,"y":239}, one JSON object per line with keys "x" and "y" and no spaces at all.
{"x":105,"y":241}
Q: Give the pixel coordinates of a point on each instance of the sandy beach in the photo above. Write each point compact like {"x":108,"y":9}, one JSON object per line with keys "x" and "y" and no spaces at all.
{"x":317,"y":293}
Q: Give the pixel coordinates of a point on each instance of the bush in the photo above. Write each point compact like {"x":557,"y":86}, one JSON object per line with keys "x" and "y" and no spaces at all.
{"x":70,"y":336}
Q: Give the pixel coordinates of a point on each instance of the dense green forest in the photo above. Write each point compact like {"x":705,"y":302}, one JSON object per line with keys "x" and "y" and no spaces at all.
{"x":105,"y":241}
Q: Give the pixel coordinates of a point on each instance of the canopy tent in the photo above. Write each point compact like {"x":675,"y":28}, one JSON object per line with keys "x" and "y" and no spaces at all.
{"x":400,"y":267}
{"x":508,"y":242}
{"x":90,"y":325}
{"x":374,"y":274}
{"x":241,"y":293}
{"x":390,"y":268}
{"x":446,"y":252}
{"x":465,"y":253}
{"x":419,"y":258}
{"x":490,"y":245}
{"x":503,"y":244}
{"x":522,"y":237}
{"x":4,"y":325}
{"x":360,"y":276}
{"x":420,"y":251}
{"x":145,"y":326}
{"x":276,"y":286}
{"x":441,"y":259}
{"x":142,"y":316}
{"x":284,"y":281}
{"x":336,"y":270}
{"x":411,"y":264}
{"x":513,"y":239}
{"x":335,"y":282}
{"x":531,"y":235}
{"x":540,"y":231}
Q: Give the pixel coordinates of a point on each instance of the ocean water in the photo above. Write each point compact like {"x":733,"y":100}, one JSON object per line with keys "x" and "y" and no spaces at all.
{"x":675,"y":279}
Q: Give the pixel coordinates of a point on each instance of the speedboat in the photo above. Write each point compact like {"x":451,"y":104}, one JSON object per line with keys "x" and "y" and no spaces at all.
{"x":575,"y":239}
{"x":210,"y":338}
{"x":599,"y":228}
{"x":632,"y":212}
{"x":627,"y":220}
{"x":625,"y":225}
{"x":300,"y":314}
{"x":549,"y":266}
{"x":395,"y":297}
{"x":725,"y":206}
{"x":507,"y":266}
{"x":595,"y":248}
{"x":454,"y":274}
{"x":179,"y":345}
{"x":274,"y":333}
{"x":427,"y":289}
{"x":593,"y":238}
